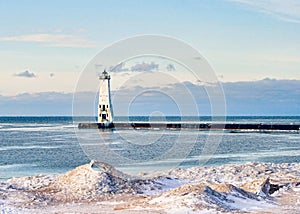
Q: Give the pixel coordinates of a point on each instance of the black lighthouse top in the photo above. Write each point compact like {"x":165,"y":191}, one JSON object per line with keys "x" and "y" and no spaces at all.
{"x":104,"y":75}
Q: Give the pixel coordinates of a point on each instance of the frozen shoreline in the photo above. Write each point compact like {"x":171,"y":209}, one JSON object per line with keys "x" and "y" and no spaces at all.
{"x":100,"y":188}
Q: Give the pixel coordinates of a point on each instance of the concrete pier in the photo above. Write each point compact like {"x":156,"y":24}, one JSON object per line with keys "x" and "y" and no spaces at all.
{"x":191,"y":126}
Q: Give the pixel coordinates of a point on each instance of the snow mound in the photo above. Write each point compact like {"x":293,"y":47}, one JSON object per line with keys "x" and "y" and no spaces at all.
{"x":91,"y":181}
{"x":225,"y":197}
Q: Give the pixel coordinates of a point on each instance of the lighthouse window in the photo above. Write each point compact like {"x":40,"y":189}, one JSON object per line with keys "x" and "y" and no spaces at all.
{"x":103,"y":107}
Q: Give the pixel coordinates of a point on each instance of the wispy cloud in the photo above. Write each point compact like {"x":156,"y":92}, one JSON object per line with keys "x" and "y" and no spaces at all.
{"x":285,"y":10}
{"x":25,"y":74}
{"x":55,"y":40}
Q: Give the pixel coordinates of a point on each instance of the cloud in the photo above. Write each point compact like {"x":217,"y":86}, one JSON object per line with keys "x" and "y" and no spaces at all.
{"x":170,"y":67}
{"x":46,"y":103}
{"x":263,"y":97}
{"x":138,"y":67}
{"x":287,"y":10}
{"x":53,"y":40}
{"x":118,"y":68}
{"x":145,"y":67}
{"x":25,"y":73}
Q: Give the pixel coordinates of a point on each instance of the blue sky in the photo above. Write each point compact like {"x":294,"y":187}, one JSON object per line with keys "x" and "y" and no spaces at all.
{"x":46,"y":44}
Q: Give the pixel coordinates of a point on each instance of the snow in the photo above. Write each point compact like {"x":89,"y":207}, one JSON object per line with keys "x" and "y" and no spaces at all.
{"x":240,"y":187}
{"x":248,"y":204}
{"x":162,"y":184}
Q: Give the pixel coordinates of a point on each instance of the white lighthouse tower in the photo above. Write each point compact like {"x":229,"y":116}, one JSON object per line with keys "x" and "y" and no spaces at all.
{"x":105,"y":111}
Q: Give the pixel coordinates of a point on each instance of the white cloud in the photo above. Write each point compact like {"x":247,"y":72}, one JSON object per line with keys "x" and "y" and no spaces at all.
{"x":286,"y":10}
{"x":56,"y":40}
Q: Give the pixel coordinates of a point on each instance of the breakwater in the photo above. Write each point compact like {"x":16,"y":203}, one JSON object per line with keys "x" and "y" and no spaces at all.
{"x":191,"y":126}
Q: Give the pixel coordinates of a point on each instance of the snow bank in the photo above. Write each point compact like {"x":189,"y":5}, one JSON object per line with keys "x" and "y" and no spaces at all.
{"x":245,"y":187}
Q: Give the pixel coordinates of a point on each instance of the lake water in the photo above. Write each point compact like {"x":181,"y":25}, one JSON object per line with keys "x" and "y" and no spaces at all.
{"x":42,"y":145}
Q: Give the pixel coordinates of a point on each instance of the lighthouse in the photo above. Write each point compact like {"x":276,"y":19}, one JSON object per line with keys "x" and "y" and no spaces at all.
{"x":105,"y":111}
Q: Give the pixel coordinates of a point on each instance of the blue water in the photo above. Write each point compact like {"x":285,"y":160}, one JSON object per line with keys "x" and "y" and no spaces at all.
{"x":40,"y":145}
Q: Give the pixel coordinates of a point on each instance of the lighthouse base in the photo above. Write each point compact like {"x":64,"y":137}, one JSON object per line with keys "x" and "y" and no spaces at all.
{"x":96,"y":125}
